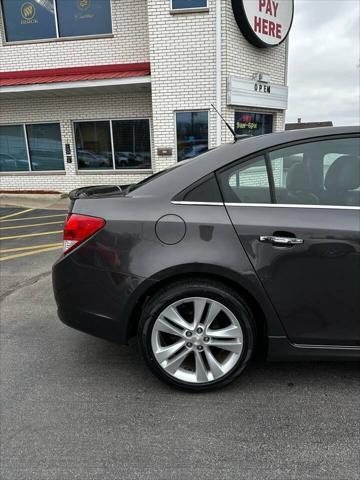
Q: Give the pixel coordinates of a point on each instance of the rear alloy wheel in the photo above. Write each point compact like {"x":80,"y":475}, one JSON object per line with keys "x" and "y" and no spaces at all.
{"x":198,"y":341}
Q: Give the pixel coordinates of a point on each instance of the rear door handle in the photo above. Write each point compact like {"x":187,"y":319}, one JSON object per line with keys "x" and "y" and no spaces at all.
{"x":281,"y":240}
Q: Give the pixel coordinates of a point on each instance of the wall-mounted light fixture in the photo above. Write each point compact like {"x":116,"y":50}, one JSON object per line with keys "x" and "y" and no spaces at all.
{"x":262,"y":77}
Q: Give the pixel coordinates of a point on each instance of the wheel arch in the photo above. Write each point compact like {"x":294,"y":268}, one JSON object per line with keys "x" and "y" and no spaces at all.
{"x":201,"y":272}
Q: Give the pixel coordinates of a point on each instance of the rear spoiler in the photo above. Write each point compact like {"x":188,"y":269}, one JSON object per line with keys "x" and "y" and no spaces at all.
{"x":95,"y":191}
{"x":86,"y":192}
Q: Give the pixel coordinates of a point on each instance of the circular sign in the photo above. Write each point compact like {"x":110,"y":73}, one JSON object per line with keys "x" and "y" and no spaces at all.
{"x":264,"y":23}
{"x":28,"y":11}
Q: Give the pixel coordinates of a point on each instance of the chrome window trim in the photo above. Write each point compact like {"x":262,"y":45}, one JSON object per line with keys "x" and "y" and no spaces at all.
{"x":291,"y":205}
{"x":271,"y":205}
{"x":327,"y":347}
{"x":184,"y":202}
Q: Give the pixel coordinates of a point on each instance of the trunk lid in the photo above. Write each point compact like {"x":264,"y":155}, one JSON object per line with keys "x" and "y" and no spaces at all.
{"x":97,"y":191}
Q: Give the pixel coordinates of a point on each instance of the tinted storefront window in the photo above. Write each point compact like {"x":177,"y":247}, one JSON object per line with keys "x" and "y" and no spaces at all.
{"x":247,"y":123}
{"x":177,"y":4}
{"x":83,"y":17}
{"x":93,"y":145}
{"x":13,"y":155}
{"x":132,"y":143}
{"x":129,"y":140}
{"x":45,"y":147}
{"x":192,"y":130}
{"x":29,"y":20}
{"x":44,"y":152}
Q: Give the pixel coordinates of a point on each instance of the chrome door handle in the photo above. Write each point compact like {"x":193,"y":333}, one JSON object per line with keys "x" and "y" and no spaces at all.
{"x":281,"y":240}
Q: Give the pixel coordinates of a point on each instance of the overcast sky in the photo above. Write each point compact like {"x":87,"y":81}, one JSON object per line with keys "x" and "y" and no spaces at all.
{"x":324,"y":58}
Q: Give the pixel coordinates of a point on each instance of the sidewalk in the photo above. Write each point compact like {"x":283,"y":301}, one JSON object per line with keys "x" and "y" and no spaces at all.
{"x":39,"y":201}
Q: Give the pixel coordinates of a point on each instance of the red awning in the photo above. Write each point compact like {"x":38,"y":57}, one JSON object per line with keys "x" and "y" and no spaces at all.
{"x":74,"y":74}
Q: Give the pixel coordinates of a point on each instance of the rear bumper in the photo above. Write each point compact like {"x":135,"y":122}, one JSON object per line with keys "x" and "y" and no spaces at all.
{"x":93,"y":324}
{"x":95,"y":301}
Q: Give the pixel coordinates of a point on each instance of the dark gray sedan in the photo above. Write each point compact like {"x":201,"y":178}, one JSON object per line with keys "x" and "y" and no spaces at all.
{"x":251,"y":248}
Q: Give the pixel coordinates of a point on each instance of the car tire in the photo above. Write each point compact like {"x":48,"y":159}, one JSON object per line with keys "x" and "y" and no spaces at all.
{"x":206,"y":366}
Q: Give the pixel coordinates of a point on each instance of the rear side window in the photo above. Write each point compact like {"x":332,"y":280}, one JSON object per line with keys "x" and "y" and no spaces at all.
{"x":205,"y":190}
{"x":246,"y":182}
{"x":318,"y":173}
{"x":152,"y":177}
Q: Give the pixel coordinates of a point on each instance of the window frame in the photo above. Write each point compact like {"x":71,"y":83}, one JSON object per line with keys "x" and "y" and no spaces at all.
{"x":196,"y":110}
{"x":31,"y":171}
{"x":113,"y":170}
{"x":188,"y":9}
{"x":58,"y":38}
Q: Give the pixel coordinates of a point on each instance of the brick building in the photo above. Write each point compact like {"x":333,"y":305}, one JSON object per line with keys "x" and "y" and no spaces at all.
{"x":110,"y":91}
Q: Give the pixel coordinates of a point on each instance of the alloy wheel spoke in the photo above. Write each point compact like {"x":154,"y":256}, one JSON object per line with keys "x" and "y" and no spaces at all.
{"x":231,"y":331}
{"x":200,"y":369}
{"x":230,"y":345}
{"x":213,"y":311}
{"x":164,"y":326}
{"x":199,"y":306}
{"x":215,"y":366}
{"x":172,"y":314}
{"x":175,"y":363}
{"x":163,"y":353}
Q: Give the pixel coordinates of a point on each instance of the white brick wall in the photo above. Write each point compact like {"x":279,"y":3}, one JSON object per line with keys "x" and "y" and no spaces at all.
{"x":182,"y":55}
{"x":129,"y":44}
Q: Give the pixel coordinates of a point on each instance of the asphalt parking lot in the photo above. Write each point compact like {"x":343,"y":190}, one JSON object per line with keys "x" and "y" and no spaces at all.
{"x":77,"y":407}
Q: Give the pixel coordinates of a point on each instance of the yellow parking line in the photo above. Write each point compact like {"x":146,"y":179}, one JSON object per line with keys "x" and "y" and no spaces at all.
{"x":33,"y":225}
{"x":31,"y":235}
{"x":34,"y":247}
{"x":33,"y":218}
{"x":17,"y":213}
{"x":27,"y":254}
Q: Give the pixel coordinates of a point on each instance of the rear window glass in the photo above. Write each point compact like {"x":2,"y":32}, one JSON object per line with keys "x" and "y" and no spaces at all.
{"x":154,"y":176}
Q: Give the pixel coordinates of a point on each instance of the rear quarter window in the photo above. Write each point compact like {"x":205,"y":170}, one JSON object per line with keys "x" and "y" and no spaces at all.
{"x":205,"y":190}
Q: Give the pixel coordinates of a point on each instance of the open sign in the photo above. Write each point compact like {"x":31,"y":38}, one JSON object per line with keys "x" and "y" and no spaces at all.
{"x":264,"y":23}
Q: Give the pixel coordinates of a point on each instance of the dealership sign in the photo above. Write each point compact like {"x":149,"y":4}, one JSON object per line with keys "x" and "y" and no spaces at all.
{"x":264,"y":23}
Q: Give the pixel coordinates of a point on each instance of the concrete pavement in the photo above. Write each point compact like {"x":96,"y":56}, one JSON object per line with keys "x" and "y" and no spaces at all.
{"x":53,"y":201}
{"x":77,"y":407}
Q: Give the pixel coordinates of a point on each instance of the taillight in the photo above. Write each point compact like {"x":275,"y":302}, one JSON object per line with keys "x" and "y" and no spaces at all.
{"x":79,"y":228}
